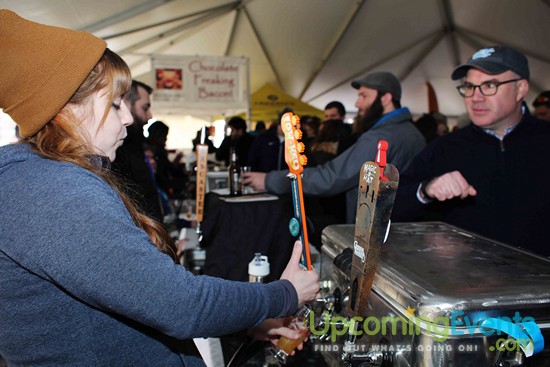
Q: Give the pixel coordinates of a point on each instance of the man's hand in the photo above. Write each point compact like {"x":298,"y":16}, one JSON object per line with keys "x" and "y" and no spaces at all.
{"x":448,"y":186}
{"x":256,"y":180}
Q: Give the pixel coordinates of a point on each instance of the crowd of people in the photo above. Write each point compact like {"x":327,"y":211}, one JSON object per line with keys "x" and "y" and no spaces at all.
{"x":470,"y":177}
{"x":330,"y":182}
{"x":84,"y":194}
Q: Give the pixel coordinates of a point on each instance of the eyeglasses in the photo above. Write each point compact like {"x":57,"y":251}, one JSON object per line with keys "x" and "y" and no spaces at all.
{"x":489,"y":88}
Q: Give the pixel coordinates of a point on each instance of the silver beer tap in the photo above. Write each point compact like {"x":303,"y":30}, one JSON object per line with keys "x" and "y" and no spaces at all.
{"x":368,"y":359}
{"x":349,"y":345}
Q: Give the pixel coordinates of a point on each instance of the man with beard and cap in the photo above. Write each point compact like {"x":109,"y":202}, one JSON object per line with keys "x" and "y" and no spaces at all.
{"x":130,"y":160}
{"x":381,"y":118}
{"x":491,"y":176}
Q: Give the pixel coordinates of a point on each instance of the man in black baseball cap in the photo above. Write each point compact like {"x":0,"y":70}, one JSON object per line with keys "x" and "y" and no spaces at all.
{"x":494,"y":82}
{"x":490,"y":177}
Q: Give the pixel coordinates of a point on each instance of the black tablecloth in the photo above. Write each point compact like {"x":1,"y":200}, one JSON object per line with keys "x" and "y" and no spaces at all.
{"x":234,"y":232}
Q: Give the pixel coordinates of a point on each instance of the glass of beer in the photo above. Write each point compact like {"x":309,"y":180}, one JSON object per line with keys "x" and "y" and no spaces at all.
{"x":300,"y":323}
{"x":246,"y":188}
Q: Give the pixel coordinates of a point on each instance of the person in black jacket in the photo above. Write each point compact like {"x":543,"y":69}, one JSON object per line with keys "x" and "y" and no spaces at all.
{"x":267,"y":153}
{"x":170,"y":174}
{"x":130,"y":160}
{"x":490,"y":177}
{"x":239,"y":139}
{"x":335,"y":113}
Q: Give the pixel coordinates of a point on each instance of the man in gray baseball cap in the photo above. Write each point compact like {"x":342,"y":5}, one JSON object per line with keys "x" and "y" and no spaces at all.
{"x":378,"y":93}
{"x":380,"y":116}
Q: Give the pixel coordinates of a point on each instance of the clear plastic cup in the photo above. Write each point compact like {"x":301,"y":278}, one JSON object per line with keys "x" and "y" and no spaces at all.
{"x":300,"y":323}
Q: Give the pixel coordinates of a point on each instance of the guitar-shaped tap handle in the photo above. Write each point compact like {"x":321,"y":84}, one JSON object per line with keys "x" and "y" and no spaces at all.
{"x":295,"y":161}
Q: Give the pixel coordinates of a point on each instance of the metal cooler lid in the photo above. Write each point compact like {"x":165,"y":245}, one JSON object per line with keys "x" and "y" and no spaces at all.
{"x":437,"y":268}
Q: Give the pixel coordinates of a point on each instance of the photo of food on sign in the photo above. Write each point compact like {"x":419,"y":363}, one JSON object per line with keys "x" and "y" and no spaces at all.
{"x":169,"y":79}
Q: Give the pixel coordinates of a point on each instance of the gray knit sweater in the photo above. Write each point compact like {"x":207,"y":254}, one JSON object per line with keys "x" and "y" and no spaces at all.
{"x":81,"y":285}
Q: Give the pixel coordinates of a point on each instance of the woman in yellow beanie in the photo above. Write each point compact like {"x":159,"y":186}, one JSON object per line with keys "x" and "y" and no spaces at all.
{"x":82,"y":280}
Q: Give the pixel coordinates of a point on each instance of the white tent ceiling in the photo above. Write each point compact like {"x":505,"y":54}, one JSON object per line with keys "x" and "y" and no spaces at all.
{"x":312,"y":49}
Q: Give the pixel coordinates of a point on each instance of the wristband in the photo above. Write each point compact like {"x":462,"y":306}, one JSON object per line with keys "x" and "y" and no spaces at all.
{"x":423,"y":191}
{"x":422,"y":195}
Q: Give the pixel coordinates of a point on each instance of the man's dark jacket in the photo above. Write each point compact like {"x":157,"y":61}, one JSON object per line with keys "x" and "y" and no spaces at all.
{"x":512,"y":179}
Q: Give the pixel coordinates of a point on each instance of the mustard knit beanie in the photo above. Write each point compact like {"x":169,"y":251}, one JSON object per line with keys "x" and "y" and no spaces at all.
{"x":41,"y":67}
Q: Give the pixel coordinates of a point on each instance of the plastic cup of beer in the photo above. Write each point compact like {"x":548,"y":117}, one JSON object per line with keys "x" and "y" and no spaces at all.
{"x":300,"y":323}
{"x":246,"y":189}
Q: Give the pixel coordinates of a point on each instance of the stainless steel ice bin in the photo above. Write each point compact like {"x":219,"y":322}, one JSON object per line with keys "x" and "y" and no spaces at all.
{"x":432,"y":271}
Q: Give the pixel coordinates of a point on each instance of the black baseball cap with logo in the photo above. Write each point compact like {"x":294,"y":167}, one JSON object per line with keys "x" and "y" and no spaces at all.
{"x":495,"y":60}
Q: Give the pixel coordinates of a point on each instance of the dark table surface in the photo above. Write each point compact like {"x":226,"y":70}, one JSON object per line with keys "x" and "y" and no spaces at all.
{"x":234,"y":231}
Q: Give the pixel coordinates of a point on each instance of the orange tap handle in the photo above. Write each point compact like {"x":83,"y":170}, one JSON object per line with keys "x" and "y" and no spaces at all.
{"x":295,"y":161}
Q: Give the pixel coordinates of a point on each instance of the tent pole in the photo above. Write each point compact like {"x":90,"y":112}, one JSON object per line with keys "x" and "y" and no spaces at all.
{"x":248,"y":112}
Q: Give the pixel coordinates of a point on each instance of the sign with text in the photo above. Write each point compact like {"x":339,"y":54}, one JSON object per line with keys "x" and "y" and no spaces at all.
{"x":212,"y":83}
